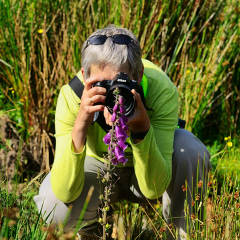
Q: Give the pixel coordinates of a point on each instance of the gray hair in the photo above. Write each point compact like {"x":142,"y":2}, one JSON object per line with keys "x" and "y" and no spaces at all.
{"x":115,"y":55}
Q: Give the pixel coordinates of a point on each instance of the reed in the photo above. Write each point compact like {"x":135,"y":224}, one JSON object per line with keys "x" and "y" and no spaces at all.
{"x":195,"y":42}
{"x":216,"y":214}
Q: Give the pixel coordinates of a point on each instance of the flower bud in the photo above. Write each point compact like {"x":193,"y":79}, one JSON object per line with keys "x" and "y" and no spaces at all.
{"x":122,"y":109}
{"x":107,"y":138}
{"x":125,"y":119}
{"x":115,"y":161}
{"x":121,"y":100}
{"x":122,"y":124}
{"x":114,"y":116}
{"x":115,"y":108}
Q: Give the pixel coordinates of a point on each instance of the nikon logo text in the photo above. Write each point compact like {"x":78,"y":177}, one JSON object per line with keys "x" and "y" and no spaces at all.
{"x":121,"y":80}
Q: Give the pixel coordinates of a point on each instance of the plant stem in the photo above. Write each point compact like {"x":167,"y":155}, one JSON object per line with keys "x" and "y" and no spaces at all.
{"x":107,"y":189}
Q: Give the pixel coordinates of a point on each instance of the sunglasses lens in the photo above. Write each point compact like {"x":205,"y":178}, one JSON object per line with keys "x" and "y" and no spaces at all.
{"x":121,"y":39}
{"x":97,"y":40}
{"x":118,"y":39}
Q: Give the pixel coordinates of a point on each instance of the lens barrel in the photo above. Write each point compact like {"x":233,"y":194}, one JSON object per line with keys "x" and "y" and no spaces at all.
{"x":125,"y":86}
{"x":125,"y":92}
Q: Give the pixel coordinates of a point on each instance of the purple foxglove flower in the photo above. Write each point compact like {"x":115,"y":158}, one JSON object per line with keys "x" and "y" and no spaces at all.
{"x":125,"y":136}
{"x":122,"y":124}
{"x":113,"y":118}
{"x":115,"y":108}
{"x":117,"y":147}
{"x":107,"y":138}
{"x":123,"y":160}
{"x":122,"y":109}
{"x":115,"y":161}
{"x":125,"y":119}
{"x":113,"y":145}
{"x":121,"y":100}
{"x":118,"y":152}
{"x":122,"y":144}
{"x":120,"y":133}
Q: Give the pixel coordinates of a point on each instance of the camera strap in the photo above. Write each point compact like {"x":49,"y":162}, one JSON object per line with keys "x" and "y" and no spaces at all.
{"x":78,"y":87}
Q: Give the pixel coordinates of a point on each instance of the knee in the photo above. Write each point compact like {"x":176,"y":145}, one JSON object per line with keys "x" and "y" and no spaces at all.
{"x":51,"y":208}
{"x":41,"y":199}
{"x":189,"y":151}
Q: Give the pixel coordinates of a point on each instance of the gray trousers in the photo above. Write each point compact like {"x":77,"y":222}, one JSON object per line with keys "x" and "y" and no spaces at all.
{"x":190,"y":163}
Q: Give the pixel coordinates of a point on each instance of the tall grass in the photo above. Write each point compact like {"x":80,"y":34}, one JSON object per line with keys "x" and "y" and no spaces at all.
{"x":220,"y":207}
{"x":195,"y":42}
{"x":215,"y":215}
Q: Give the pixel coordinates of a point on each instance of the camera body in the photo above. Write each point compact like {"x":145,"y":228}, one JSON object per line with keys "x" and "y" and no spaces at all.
{"x":125,"y":86}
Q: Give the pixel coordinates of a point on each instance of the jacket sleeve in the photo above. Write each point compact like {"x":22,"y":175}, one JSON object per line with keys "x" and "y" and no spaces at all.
{"x":152,"y":157}
{"x":67,"y":174}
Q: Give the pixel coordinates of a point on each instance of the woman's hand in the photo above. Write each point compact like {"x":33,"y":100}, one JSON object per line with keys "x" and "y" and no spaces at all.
{"x":86,"y":111}
{"x":139,"y":121}
{"x":90,"y":96}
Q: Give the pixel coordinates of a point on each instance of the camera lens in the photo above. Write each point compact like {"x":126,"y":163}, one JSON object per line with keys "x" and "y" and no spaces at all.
{"x":125,"y":92}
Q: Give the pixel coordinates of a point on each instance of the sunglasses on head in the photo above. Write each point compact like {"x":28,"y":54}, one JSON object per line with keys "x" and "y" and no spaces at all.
{"x":118,"y":39}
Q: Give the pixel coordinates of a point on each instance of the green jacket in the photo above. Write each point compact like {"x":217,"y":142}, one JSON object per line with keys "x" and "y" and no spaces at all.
{"x":151,"y":158}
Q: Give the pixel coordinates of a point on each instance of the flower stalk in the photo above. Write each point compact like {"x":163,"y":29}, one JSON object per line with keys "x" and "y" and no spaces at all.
{"x":116,"y":139}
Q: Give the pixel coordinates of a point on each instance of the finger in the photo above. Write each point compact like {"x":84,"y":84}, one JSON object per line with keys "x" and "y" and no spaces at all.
{"x":107,"y":116}
{"x":136,"y":95}
{"x":96,"y":99}
{"x":130,"y":118}
{"x":89,"y":82}
{"x":90,"y":109}
{"x":97,"y":91}
{"x":94,"y":95}
{"x":139,"y":108}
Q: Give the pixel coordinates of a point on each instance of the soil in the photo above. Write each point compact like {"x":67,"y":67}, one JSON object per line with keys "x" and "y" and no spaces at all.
{"x":16,"y":157}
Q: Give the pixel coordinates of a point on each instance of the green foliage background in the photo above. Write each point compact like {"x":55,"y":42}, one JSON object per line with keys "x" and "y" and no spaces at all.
{"x":195,"y":42}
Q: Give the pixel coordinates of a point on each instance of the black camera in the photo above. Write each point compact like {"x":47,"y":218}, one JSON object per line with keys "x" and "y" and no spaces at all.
{"x":125,"y":86}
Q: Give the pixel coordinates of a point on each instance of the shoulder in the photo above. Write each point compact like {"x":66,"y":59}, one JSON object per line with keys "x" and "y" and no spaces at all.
{"x":156,"y":76}
{"x":162,"y":94}
{"x":68,"y":92}
{"x":68,"y":99}
{"x":158,"y":81}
